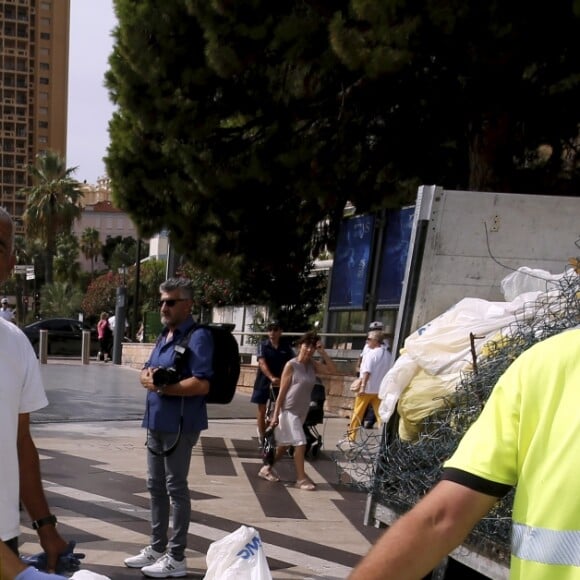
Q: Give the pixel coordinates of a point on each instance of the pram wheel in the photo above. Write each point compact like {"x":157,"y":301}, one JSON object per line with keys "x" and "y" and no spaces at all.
{"x":314,"y":447}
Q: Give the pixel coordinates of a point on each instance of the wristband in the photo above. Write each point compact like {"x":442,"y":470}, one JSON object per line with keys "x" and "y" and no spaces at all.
{"x":51,"y":519}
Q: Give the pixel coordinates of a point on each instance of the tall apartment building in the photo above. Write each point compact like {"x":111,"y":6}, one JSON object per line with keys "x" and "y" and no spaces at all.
{"x":34,"y":45}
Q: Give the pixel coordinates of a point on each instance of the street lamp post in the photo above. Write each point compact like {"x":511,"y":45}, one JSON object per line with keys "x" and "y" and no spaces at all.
{"x":120,"y":316}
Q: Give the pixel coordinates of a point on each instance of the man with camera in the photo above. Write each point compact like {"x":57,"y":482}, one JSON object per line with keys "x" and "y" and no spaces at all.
{"x":175,"y":415}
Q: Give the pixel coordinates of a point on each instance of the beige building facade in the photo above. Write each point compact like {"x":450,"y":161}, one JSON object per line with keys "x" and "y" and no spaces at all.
{"x":94,"y":193}
{"x":34,"y":47}
{"x":109,"y":221}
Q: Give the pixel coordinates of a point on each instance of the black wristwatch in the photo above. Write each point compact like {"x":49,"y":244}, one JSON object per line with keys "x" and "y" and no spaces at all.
{"x":51,"y":519}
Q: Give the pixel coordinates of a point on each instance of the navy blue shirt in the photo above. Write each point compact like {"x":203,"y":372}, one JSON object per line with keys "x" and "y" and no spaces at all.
{"x":275,"y":358}
{"x":163,"y":412}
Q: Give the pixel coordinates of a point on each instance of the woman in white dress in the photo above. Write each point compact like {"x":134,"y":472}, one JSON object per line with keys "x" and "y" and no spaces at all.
{"x":298,"y":379}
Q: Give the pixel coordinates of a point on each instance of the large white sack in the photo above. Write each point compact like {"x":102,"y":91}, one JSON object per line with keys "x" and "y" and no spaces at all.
{"x":443,"y":345}
{"x":393,"y":384}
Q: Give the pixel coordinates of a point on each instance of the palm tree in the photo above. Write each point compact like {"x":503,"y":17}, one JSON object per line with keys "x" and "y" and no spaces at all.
{"x":91,"y":246}
{"x":61,"y":299}
{"x":52,"y":203}
{"x":66,"y":267}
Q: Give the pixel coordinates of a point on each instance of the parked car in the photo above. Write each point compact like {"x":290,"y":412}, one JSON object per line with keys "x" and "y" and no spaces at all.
{"x":65,"y":336}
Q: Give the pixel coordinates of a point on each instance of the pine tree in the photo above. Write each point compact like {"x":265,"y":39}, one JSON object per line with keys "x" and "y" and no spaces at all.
{"x":243,"y":126}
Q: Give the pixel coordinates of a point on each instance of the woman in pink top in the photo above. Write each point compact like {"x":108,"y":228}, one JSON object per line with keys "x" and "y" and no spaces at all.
{"x":105,"y":335}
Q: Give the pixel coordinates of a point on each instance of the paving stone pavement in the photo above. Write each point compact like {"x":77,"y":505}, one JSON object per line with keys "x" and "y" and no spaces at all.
{"x":93,"y":467}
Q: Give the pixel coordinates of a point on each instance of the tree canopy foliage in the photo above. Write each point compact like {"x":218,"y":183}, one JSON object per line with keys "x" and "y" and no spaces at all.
{"x":91,"y":246}
{"x":243,"y":126}
{"x":119,"y":251}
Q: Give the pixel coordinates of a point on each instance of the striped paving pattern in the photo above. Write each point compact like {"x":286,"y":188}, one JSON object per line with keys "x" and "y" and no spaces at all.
{"x":94,"y":478}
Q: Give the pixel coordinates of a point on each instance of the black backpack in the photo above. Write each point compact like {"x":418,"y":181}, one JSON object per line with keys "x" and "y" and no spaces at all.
{"x":225,"y":363}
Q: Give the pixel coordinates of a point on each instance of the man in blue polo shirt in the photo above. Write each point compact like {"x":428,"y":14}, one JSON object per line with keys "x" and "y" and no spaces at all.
{"x":175,"y":415}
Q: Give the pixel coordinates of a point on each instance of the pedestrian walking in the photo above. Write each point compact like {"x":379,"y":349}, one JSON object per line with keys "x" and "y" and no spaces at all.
{"x":105,"y":336}
{"x":376,"y":361}
{"x":273,"y":353}
{"x":5,"y":311}
{"x":298,"y":380}
{"x":370,"y":417}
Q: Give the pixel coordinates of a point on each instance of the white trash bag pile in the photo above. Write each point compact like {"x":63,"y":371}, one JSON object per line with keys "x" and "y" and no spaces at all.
{"x":434,"y":356}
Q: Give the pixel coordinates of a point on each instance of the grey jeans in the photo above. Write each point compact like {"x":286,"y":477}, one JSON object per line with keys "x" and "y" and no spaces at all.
{"x":167,"y":480}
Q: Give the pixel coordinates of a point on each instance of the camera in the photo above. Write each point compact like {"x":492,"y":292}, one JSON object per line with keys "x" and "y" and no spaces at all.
{"x":162,"y":377}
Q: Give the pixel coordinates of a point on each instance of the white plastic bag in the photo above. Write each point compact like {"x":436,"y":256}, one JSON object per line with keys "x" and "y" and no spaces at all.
{"x":393,"y":384}
{"x":238,"y":556}
{"x":526,"y":279}
{"x":443,"y":346}
{"x":88,"y":575}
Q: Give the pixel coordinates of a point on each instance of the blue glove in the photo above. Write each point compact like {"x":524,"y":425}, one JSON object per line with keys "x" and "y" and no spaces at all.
{"x":33,"y":574}
{"x":68,"y":561}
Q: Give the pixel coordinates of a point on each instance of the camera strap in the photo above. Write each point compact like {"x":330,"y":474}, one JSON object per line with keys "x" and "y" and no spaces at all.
{"x":179,"y":349}
{"x":173,"y":446}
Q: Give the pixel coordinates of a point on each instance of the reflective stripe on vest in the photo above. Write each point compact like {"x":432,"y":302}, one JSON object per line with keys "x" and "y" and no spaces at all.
{"x":546,"y":546}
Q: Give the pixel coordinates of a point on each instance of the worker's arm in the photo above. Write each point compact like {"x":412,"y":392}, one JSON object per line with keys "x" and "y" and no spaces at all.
{"x":416,"y":543}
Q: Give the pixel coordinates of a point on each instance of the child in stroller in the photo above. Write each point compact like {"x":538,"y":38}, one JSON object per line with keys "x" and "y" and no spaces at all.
{"x":314,"y":417}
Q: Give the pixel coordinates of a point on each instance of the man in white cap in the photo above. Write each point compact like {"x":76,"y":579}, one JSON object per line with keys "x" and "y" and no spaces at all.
{"x":5,"y":312}
{"x":369,"y":418}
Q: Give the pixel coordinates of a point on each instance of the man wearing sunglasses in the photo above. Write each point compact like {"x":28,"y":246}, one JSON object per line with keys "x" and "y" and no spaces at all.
{"x":175,"y":415}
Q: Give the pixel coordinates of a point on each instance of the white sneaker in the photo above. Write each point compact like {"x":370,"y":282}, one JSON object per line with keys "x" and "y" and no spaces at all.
{"x":146,"y":556}
{"x":166,"y":567}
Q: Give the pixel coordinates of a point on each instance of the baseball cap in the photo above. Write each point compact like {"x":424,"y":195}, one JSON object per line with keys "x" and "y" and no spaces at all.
{"x":274,"y":324}
{"x":4,"y":301}
{"x":376,"y":325}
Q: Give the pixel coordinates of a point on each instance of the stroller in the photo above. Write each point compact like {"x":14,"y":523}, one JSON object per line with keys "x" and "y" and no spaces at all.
{"x":314,"y":417}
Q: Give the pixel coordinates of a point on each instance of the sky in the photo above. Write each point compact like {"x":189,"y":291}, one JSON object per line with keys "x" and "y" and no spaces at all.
{"x":89,"y":108}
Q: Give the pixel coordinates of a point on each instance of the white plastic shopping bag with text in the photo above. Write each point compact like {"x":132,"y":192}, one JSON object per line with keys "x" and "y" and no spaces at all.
{"x":238,"y":556}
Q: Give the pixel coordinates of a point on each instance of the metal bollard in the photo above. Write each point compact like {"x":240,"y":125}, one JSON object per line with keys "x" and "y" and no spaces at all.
{"x":43,"y":346}
{"x":86,"y":347}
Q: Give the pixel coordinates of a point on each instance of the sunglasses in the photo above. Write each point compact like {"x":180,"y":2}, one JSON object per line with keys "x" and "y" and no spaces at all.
{"x":171,"y":303}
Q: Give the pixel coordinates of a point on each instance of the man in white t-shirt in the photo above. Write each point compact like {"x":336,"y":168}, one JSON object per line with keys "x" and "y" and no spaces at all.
{"x":22,"y":393}
{"x":376,"y":361}
{"x":112,"y":323}
{"x":370,"y":417}
{"x":5,"y":312}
